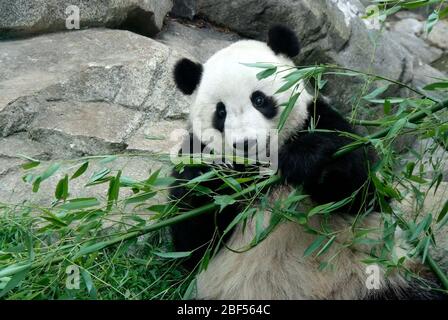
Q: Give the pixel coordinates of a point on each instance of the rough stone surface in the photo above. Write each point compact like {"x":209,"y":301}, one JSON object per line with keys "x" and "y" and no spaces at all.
{"x":409,"y":25}
{"x":156,"y":137}
{"x":185,"y":8}
{"x":84,"y":128}
{"x":439,"y":35}
{"x":421,"y":51}
{"x":24,"y":17}
{"x":195,"y":42}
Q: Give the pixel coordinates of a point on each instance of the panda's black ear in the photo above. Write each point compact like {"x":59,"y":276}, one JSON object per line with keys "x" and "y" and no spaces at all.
{"x":187,"y":75}
{"x":282,"y":39}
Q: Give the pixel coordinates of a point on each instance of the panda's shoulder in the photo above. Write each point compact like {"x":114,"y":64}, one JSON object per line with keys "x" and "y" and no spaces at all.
{"x":326,"y":115}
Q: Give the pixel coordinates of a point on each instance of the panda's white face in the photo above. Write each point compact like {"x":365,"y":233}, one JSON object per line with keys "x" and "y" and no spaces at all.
{"x":231,"y":105}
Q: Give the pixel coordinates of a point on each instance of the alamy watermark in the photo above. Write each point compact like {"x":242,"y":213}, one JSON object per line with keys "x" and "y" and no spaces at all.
{"x":73,"y":277}
{"x":72,"y":20}
{"x":373,"y":280}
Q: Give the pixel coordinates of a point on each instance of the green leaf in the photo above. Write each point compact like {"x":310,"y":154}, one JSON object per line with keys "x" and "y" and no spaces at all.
{"x":50,"y":171}
{"x":108,"y":159}
{"x":224,"y":201}
{"x":191,"y":291}
{"x":114,"y":190}
{"x":153,"y":178}
{"x":285,"y":114}
{"x":266,"y":73}
{"x":80,"y":171}
{"x":422,"y":226}
{"x":61,"y":192}
{"x":99,"y":175}
{"x":259,"y":65}
{"x":313,"y":247}
{"x":375,"y":93}
{"x":443,"y":212}
{"x":30,"y":165}
{"x":173,"y":255}
{"x":431,"y":21}
{"x":87,"y":249}
{"x":436,"y":85}
{"x":140,"y":197}
{"x":326,"y":246}
{"x":80,"y":203}
{"x":387,"y":107}
{"x":88,"y":282}
{"x":15,"y":281}
{"x":36,"y":184}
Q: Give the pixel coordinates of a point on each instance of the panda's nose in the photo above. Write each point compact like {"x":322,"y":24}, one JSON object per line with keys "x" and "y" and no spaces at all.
{"x":246,"y":144}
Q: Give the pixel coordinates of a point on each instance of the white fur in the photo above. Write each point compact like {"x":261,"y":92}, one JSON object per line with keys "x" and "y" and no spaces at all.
{"x":242,"y":120}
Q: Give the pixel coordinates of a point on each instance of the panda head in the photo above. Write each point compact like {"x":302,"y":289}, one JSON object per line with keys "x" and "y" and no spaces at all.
{"x":230,"y":105}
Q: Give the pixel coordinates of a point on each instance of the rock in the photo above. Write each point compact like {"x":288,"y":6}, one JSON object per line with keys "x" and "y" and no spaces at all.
{"x":13,"y":148}
{"x":84,"y":128}
{"x":442,"y":63}
{"x":185,"y":8}
{"x":193,"y":41}
{"x":408,"y":25}
{"x":24,"y":17}
{"x":93,"y":67}
{"x":422,"y":52}
{"x":439,"y":35}
{"x":406,"y":14}
{"x":330,"y":32}
{"x":156,"y":137}
{"x":425,"y":75}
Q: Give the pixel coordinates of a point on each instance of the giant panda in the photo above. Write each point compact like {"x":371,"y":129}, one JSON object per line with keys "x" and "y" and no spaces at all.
{"x":227,"y":96}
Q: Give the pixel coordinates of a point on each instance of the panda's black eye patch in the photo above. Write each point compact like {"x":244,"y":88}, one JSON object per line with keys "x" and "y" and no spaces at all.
{"x":219,"y":117}
{"x":266,"y":105}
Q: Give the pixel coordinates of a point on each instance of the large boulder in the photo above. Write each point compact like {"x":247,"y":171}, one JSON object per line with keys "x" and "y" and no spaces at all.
{"x":197,"y":41}
{"x":24,"y":17}
{"x":71,"y":94}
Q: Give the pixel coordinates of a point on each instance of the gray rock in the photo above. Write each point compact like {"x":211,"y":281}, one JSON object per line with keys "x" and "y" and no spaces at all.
{"x":439,"y":35}
{"x":185,"y":8}
{"x":92,"y":67}
{"x":330,"y":32}
{"x":421,"y":51}
{"x":79,"y":129}
{"x":409,"y":25}
{"x":193,"y":41}
{"x":425,"y":75}
{"x":156,"y":137}
{"x":24,"y":17}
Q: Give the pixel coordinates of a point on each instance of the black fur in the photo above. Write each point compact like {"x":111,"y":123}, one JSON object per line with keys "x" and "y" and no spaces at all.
{"x":283,"y":40}
{"x":196,"y":233}
{"x":187,"y":75}
{"x":219,"y":117}
{"x":269,"y":106}
{"x":306,"y":159}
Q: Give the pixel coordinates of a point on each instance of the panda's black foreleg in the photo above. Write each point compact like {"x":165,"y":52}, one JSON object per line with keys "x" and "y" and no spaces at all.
{"x":196,"y":234}
{"x":307,"y":160}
